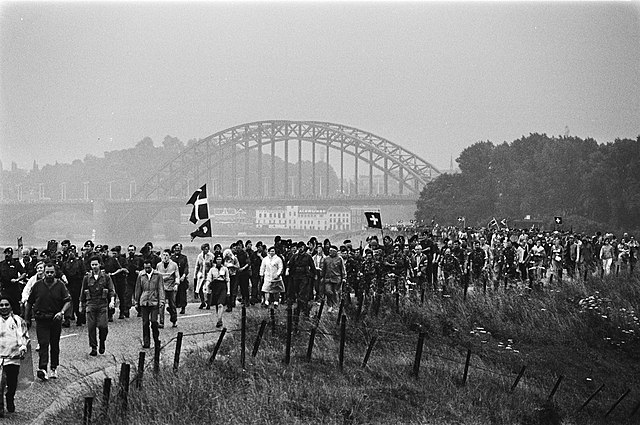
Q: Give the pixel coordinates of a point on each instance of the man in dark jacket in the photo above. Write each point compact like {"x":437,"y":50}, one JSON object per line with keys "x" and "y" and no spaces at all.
{"x":97,"y":296}
{"x":301,"y":270}
{"x":50,"y":300}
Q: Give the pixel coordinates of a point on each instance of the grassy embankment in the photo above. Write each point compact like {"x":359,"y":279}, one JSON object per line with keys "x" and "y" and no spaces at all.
{"x":588,"y":333}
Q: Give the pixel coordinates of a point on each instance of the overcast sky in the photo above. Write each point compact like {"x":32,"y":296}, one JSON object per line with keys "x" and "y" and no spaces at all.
{"x":434,"y":77}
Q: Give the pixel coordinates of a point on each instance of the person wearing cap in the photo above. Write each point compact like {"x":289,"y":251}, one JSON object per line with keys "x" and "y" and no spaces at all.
{"x":333,"y":277}
{"x":114,"y":266}
{"x":97,"y":296}
{"x":11,"y":274}
{"x":301,"y":270}
{"x":14,"y":338}
{"x":134,"y":266}
{"x":73,"y":269}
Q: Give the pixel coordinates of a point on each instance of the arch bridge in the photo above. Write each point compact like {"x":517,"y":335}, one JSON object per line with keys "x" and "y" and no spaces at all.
{"x":234,"y":161}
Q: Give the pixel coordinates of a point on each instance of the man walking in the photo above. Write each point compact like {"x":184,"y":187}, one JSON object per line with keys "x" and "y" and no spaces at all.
{"x":170,"y":273}
{"x":96,"y":296}
{"x":50,"y":300}
{"x":149,"y":298}
{"x":11,"y":273}
{"x":333,"y":277}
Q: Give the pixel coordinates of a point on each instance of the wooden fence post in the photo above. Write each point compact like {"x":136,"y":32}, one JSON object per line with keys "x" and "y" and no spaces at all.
{"x":555,"y":388}
{"x":319,"y":313}
{"x":416,"y":362}
{"x":156,"y":356}
{"x":217,"y":347}
{"x":369,"y":348}
{"x":87,"y":411}
{"x":515,"y":383}
{"x":626,"y":393}
{"x":287,"y":350}
{"x":176,"y":357}
{"x":123,"y":387}
{"x":591,"y":398}
{"x":106,"y":396}
{"x":140,"y":371}
{"x":340,"y":310}
{"x":343,"y":337}
{"x":311,"y":340}
{"x":397,"y":302}
{"x":256,"y":345}
{"x":243,"y":335}
{"x":466,"y":368}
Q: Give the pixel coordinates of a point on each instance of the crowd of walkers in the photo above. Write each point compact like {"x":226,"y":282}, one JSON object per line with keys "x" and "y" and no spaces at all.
{"x":61,"y":286}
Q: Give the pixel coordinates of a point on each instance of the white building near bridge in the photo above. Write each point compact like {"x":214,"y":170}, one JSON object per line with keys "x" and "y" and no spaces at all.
{"x":304,"y":218}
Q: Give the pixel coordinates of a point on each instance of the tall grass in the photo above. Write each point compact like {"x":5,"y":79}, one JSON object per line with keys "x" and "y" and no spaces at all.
{"x":553,"y":332}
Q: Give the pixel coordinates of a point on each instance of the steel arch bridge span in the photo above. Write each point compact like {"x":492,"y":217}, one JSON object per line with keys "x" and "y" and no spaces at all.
{"x":198,"y":162}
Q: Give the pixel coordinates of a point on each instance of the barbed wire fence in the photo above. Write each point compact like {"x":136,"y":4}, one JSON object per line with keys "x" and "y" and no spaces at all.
{"x":413,"y":342}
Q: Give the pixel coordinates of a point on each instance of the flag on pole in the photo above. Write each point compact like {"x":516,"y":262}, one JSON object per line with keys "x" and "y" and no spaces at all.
{"x":493,"y":222}
{"x":200,"y":205}
{"x":204,"y":231}
{"x":504,"y":222}
{"x":20,"y":244}
{"x":373,"y":219}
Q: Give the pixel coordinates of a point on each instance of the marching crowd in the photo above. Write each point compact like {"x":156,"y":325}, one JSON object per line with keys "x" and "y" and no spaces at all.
{"x":59,"y":286}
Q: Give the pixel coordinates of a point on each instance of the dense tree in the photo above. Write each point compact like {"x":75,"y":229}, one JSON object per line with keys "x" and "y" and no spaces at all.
{"x":543,"y":177}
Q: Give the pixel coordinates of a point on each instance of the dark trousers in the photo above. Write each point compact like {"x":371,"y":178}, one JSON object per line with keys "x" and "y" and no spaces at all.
{"x":301,"y":292}
{"x":255,"y":287}
{"x":121,"y":292}
{"x":170,"y":296}
{"x":233,"y":286}
{"x":181,"y":295}
{"x":48,"y":331}
{"x":243,"y":285}
{"x":128,"y":295}
{"x":74,"y":288}
{"x":9,"y":380}
{"x":149,"y":317}
{"x":96,"y":319}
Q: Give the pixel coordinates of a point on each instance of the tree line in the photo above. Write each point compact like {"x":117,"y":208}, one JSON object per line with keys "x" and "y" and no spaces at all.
{"x":590,"y":185}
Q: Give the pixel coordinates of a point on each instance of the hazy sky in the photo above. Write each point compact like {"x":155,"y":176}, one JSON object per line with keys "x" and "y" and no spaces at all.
{"x":435,"y":77}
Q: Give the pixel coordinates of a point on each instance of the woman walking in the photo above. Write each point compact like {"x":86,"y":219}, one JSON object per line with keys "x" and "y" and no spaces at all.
{"x":271,"y":274}
{"x":14,"y":338}
{"x":219,"y":284}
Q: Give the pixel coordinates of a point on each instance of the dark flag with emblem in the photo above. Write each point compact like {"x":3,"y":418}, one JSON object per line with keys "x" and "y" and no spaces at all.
{"x":373,"y":219}
{"x":200,"y":205}
{"x":204,"y":231}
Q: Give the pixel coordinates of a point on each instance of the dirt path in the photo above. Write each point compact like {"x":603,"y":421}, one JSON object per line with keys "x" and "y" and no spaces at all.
{"x":78,"y":371}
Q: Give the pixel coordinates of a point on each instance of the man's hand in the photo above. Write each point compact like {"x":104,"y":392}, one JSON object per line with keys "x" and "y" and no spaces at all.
{"x":59,"y":315}
{"x":112,"y":304}
{"x":81,"y":309}
{"x":22,"y":350}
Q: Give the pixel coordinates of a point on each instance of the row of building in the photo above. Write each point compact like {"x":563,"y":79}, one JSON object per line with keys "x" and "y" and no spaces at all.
{"x":294,"y":217}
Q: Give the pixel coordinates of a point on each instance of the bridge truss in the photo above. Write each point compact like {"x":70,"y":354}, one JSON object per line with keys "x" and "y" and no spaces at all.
{"x":223,"y":156}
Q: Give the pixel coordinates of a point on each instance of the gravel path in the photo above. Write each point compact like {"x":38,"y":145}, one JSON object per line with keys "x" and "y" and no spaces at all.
{"x":78,"y":370}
